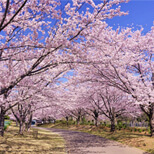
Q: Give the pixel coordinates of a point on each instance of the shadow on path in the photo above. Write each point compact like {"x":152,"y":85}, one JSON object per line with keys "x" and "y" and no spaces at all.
{"x":84,"y":143}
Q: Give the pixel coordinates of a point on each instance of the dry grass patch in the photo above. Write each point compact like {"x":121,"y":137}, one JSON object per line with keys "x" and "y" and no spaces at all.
{"x":135,"y":139}
{"x":42,"y":142}
{"x":141,"y":141}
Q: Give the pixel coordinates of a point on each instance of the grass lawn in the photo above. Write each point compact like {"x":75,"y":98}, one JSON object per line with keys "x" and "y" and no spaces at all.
{"x":34,"y":141}
{"x":140,"y":140}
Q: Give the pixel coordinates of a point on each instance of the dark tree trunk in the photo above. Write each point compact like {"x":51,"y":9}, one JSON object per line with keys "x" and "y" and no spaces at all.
{"x":96,"y":121}
{"x":150,"y":115}
{"x":112,"y":124}
{"x":151,"y":124}
{"x":2,"y":124}
{"x":96,"y":117}
{"x":66,"y":120}
{"x":78,"y":120}
{"x":152,"y":110}
{"x":112,"y":119}
{"x":2,"y":115}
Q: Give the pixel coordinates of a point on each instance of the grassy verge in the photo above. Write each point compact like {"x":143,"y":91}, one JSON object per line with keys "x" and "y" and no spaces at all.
{"x":140,"y":140}
{"x":35,"y":141}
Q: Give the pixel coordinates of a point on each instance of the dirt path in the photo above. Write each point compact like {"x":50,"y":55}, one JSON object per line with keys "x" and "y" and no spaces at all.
{"x":84,"y":143}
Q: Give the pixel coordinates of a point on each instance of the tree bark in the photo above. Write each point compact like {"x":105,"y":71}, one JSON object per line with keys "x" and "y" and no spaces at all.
{"x":112,"y":119}
{"x":2,"y":115}
{"x":78,"y":120}
{"x":96,"y":121}
{"x":151,"y":124}
{"x":112,"y":124}
{"x":21,"y":128}
{"x":29,"y":122}
{"x":96,"y":117}
{"x":150,"y":115}
{"x":66,"y":120}
{"x":16,"y":123}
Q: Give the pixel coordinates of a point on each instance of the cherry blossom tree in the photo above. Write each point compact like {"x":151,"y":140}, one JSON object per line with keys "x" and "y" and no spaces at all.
{"x":22,"y":24}
{"x":112,"y":103}
{"x":40,"y":35}
{"x":23,"y":112}
{"x":78,"y":114}
{"x":94,"y":111}
{"x":39,"y":99}
{"x":98,"y":99}
{"x":131,"y":69}
{"x":29,"y":94}
{"x":123,"y":59}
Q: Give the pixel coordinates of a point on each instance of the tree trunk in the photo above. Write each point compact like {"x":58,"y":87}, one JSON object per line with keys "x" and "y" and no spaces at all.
{"x":96,"y":117}
{"x":29,"y":123}
{"x":112,"y":121}
{"x":112,"y":125}
{"x":96,"y":121}
{"x":151,"y":125}
{"x":2,"y":115}
{"x":21,"y":128}
{"x":78,"y":120}
{"x":16,"y":123}
{"x":66,"y":120}
{"x":150,"y":115}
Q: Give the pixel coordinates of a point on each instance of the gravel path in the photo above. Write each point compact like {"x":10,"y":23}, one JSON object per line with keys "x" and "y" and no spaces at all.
{"x":84,"y":143}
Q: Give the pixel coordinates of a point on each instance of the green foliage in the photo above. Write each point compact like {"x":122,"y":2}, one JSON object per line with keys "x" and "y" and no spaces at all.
{"x":151,"y":151}
{"x":140,"y":130}
{"x":92,"y":121}
{"x":92,"y":124}
{"x":5,"y":127}
{"x":71,"y":122}
{"x":135,"y":129}
{"x":121,"y":125}
{"x":149,"y":131}
{"x":6,"y":124}
{"x":108,"y":125}
{"x":142,"y":117}
{"x":58,"y":121}
{"x":6,"y":117}
{"x":64,"y":122}
{"x":104,"y":123}
{"x":84,"y":121}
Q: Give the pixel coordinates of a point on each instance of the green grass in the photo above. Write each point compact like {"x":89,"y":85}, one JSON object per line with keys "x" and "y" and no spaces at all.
{"x":35,"y":141}
{"x":6,"y":124}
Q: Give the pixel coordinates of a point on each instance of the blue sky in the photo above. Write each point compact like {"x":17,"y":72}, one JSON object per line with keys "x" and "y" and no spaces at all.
{"x":141,"y":12}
